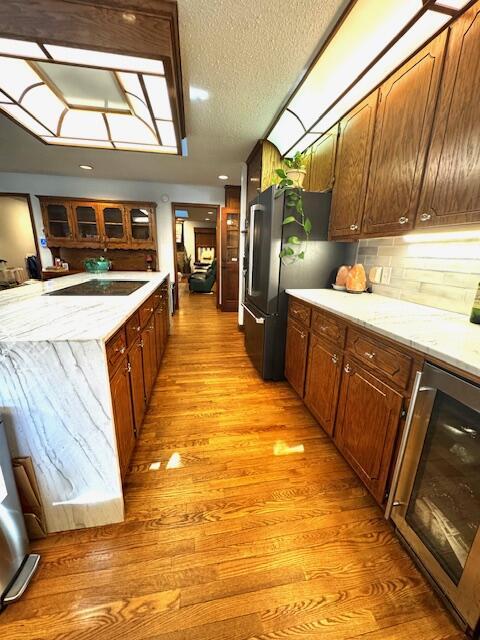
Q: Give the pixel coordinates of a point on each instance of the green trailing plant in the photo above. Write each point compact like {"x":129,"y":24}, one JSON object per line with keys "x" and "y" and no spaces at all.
{"x":298,"y":162}
{"x":295,"y":246}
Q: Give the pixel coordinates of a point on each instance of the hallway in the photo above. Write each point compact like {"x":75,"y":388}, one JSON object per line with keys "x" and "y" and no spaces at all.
{"x":242,"y":522}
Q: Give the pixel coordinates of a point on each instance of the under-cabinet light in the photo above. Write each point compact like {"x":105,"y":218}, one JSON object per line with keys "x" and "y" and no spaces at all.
{"x":374,"y":38}
{"x":442,"y":236}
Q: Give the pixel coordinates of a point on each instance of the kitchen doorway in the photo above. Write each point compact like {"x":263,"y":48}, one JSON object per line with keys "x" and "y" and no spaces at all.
{"x":19,"y":251}
{"x":195,"y":242}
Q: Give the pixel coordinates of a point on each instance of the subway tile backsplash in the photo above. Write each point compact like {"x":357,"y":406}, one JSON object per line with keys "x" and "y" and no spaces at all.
{"x":444,"y":275}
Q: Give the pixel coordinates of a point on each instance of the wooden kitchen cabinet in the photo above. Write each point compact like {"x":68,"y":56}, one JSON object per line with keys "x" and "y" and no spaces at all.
{"x":86,"y":223}
{"x":261,"y":165}
{"x":122,"y":412}
{"x":139,"y":400}
{"x":149,"y":357}
{"x":451,"y":186}
{"x":352,"y":167}
{"x":321,"y":168}
{"x":369,"y":413}
{"x":406,"y":105}
{"x":113,"y":225}
{"x":323,"y":381}
{"x":296,"y":351}
{"x":57,"y":221}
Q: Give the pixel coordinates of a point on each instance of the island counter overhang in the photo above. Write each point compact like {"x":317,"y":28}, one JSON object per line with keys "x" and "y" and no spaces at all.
{"x":55,"y":395}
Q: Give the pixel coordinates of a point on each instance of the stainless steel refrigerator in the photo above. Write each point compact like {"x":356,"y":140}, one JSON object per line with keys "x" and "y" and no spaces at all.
{"x":16,"y":564}
{"x":267,"y":276}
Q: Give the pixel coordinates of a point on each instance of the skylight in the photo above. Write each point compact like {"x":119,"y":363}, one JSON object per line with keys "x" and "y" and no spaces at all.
{"x":77,"y":97}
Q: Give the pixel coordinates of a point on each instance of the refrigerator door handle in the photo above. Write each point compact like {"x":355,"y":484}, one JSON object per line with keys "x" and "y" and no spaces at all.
{"x":257,"y":320}
{"x":253,"y":209}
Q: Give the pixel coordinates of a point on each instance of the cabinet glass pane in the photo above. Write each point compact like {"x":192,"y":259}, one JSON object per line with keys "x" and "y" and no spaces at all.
{"x":140,"y":224}
{"x":233,"y":237}
{"x":113,"y":219}
{"x":444,"y":508}
{"x":86,"y":222}
{"x":57,"y":215}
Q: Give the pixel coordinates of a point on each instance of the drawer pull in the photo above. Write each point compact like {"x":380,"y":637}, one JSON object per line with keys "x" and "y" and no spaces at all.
{"x":323,"y":329}
{"x":129,"y":368}
{"x":296,"y":312}
{"x":353,"y":227}
{"x":403,"y":220}
{"x":122,"y":350}
{"x":348,"y":369}
{"x":140,"y":344}
{"x":425,"y":216}
{"x":334,"y":358}
{"x":138,"y":329}
{"x":369,"y":354}
{"x":303,"y":335}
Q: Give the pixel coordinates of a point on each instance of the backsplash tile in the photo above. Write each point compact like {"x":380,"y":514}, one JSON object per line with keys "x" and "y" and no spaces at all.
{"x":444,"y":275}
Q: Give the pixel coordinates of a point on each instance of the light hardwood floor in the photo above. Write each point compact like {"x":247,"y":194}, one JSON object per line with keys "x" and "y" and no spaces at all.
{"x":253,"y":527}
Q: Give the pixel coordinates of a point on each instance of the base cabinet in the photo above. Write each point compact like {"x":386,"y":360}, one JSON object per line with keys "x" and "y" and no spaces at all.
{"x":368,"y":416}
{"x":134,"y":355}
{"x":323,"y":381}
{"x":296,"y":352}
{"x":123,"y":415}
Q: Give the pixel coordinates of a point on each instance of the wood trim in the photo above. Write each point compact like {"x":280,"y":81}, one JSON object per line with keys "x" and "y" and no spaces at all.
{"x":96,"y":200}
{"x":32,"y":220}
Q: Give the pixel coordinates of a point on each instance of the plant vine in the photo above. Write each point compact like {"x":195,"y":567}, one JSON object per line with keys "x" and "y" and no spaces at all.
{"x":295,"y":247}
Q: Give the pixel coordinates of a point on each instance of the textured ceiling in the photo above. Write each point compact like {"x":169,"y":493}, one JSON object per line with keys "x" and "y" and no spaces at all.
{"x":248,"y":55}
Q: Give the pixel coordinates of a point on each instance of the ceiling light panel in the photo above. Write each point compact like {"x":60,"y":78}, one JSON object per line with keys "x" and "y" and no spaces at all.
{"x":86,"y":57}
{"x":89,"y":105}
{"x":374,"y":38}
{"x":21,"y":49}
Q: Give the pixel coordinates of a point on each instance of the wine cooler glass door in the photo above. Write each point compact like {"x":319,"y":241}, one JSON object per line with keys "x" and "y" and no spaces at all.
{"x":438,"y":512}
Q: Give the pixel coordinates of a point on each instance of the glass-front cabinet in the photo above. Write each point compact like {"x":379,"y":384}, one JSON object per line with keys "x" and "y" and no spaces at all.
{"x":141,"y":224}
{"x":114,"y":227}
{"x":86,"y":222}
{"x":57,"y":221}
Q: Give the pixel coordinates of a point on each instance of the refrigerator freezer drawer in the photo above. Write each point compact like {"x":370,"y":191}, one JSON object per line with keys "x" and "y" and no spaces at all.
{"x":260,"y":341}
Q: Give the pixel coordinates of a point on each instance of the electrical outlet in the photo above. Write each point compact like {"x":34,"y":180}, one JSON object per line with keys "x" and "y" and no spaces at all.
{"x":386,"y":275}
{"x":375,"y":275}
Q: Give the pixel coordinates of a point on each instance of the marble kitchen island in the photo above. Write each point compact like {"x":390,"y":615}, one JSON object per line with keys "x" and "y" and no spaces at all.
{"x":55,"y":395}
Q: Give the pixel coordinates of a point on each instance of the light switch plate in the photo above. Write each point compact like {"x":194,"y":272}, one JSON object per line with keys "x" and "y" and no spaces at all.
{"x":386,"y":275}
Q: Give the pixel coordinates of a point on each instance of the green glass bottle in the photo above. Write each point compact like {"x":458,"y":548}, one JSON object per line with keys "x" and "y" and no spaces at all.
{"x":475,"y":315}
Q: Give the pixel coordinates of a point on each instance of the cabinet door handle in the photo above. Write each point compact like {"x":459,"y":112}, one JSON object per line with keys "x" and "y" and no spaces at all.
{"x":140,"y":344}
{"x":353,"y":227}
{"x":347,"y":368}
{"x":122,"y":350}
{"x":334,"y":358}
{"x":302,"y":335}
{"x":295,"y":311}
{"x":369,"y":354}
{"x":403,"y":220}
{"x":129,"y":368}
{"x":425,"y":216}
{"x":138,"y":329}
{"x":323,"y":329}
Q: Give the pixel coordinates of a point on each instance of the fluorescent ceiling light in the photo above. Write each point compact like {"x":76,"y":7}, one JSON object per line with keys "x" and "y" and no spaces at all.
{"x":86,"y":57}
{"x":442,"y":236}
{"x":158,"y":90}
{"x":21,"y":49}
{"x":86,"y":105}
{"x":453,"y":4}
{"x":364,"y":50}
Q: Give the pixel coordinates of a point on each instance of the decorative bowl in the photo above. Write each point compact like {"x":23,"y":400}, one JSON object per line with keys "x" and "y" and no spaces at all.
{"x":97,"y":265}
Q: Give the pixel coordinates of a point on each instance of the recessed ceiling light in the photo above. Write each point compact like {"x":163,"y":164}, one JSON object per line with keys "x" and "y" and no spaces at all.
{"x":86,"y":167}
{"x":209,"y":213}
{"x":208,"y":219}
{"x":223,"y":177}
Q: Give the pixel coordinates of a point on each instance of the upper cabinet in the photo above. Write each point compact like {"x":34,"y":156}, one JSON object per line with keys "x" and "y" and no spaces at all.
{"x":261,"y":164}
{"x":97,"y":225}
{"x":451,"y":187}
{"x":352,"y":166}
{"x":57,"y":221}
{"x":321,"y":168}
{"x":403,"y":124}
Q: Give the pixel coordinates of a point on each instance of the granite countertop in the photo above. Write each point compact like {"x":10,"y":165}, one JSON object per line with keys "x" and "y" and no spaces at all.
{"x":26,"y":315}
{"x":441,"y":334}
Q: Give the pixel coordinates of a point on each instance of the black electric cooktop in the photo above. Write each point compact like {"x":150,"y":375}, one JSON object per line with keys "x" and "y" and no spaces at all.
{"x":98,"y":287}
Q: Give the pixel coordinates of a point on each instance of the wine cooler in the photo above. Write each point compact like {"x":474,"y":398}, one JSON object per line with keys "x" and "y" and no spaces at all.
{"x":435,"y":496}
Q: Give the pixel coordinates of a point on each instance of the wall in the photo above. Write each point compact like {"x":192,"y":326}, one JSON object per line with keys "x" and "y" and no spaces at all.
{"x":189,"y":235}
{"x":116,"y":190}
{"x":16,"y":234}
{"x":439,"y":274}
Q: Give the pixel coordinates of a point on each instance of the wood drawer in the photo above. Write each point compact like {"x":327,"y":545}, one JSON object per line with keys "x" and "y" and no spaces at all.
{"x":133,"y":328}
{"x":328,"y":327}
{"x":385,"y":360}
{"x":299,"y":311}
{"x":146,"y":311}
{"x":116,"y":348}
{"x":159,"y":295}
